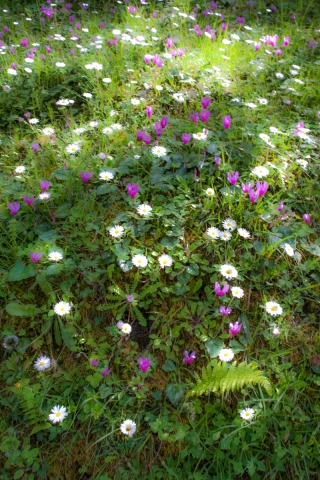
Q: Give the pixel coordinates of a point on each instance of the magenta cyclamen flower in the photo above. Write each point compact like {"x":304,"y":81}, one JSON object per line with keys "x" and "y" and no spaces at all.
{"x":262,"y":187}
{"x":221,"y":291}
{"x":281,"y":205}
{"x":169,"y":42}
{"x":225,"y":310}
{"x":44,"y":184}
{"x":85,"y":176}
{"x":24,"y":42}
{"x":35,"y":256}
{"x":147,"y":139}
{"x":14,"y":207}
{"x":28,"y":201}
{"x":235,"y":328}
{"x":164,"y":122}
{"x":306,"y":217}
{"x":240,"y":20}
{"x":233,"y":177}
{"x":144,"y":364}
{"x":246,"y":187}
{"x":286,"y":41}
{"x":205,"y":102}
{"x":94,"y":362}
{"x":226,"y":122}
{"x":185,"y":137}
{"x":158,"y":129}
{"x":204,"y":115}
{"x":189,"y":358}
{"x":194,"y":117}
{"x":35,"y":147}
{"x":140,"y":134}
{"x":133,"y":189}
{"x":149,"y":111}
{"x":106,"y":372}
{"x":253,"y":195}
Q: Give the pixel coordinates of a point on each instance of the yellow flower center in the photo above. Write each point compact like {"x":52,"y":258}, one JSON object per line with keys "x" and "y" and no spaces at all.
{"x":128,"y":428}
{"x":273,"y":308}
{"x":228,"y":272}
{"x":58,"y":414}
{"x":42,"y":362}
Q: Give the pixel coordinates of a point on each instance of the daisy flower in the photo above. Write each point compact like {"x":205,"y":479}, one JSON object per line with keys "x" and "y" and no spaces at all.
{"x":273,"y":308}
{"x":128,"y":427}
{"x":243,"y":233}
{"x":200,"y":136}
{"x":247,"y":413}
{"x":116,"y":126}
{"x":226,"y":355}
{"x":260,"y":172}
{"x":42,"y":363}
{"x":62,"y":308}
{"x":289,"y":250}
{"x":237,"y":292}
{"x":20,"y":169}
{"x":55,"y":256}
{"x":229,"y":224}
{"x":210,"y":192}
{"x":126,"y":328}
{"x":144,"y":209}
{"x":44,"y":196}
{"x":107,"y":80}
{"x":178,"y":97}
{"x":140,"y":260}
{"x":225,"y":236}
{"x":87,"y":95}
{"x":107,"y":131}
{"x":58,"y":414}
{"x":213,"y":232}
{"x":73,"y":148}
{"x":48,"y":131}
{"x":79,"y":130}
{"x":106,"y":175}
{"x":116,"y":231}
{"x":159,"y":151}
{"x":165,"y":261}
{"x":228,"y":271}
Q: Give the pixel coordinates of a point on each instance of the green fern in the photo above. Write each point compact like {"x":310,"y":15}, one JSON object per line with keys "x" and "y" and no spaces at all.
{"x":219,"y":378}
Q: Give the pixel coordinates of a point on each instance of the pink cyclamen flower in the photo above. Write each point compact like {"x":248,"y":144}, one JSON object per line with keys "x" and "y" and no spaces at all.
{"x":235,"y":328}
{"x":189,"y":358}
{"x":144,"y":364}
{"x":221,"y":291}
{"x":35,"y":147}
{"x":240,"y":20}
{"x":44,"y":184}
{"x":279,"y":51}
{"x":130,"y":298}
{"x":217,"y":161}
{"x":169,"y":42}
{"x":281,"y":205}
{"x":140,"y":134}
{"x":246,"y":187}
{"x":205,"y":102}
{"x":286,"y":41}
{"x":253,"y":195}
{"x":94,"y":362}
{"x":194,"y":117}
{"x":204,"y":115}
{"x":106,"y":372}
{"x":233,"y":177}
{"x":120,"y":325}
{"x":28,"y":201}
{"x":293,"y":16}
{"x":225,"y":310}
{"x":257,"y":45}
{"x":185,"y":137}
{"x":224,"y":26}
{"x":226,"y":122}
{"x":14,"y":207}
{"x":158,"y":129}
{"x":133,"y":189}
{"x":164,"y":122}
{"x":312,"y":44}
{"x":85,"y":176}
{"x":24,"y":42}
{"x":149,"y":111}
{"x":35,"y":256}
{"x":262,"y":187}
{"x":306,"y":217}
{"x":147,"y":139}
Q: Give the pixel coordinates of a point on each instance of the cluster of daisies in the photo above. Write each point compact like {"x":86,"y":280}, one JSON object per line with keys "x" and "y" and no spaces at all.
{"x":229,"y":226}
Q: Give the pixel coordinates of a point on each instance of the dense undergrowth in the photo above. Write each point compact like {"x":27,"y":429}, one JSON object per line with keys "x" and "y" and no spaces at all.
{"x":160,"y":240}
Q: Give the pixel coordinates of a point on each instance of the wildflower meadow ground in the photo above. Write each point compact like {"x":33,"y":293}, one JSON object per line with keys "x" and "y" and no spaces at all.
{"x":160,"y":240}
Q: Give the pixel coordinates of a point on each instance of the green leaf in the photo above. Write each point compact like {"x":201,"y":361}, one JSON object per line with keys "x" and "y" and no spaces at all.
{"x":50,"y":236}
{"x":174,"y":393}
{"x":54,"y":269}
{"x":67,"y":335}
{"x":193,"y":269}
{"x":39,"y":427}
{"x":236,"y":346}
{"x":18,"y":474}
{"x":169,"y":242}
{"x":20,"y":310}
{"x":19,"y":272}
{"x":169,"y":366}
{"x":214,"y":347}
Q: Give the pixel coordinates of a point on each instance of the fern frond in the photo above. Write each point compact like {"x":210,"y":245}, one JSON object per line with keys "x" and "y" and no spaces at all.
{"x":137,"y":314}
{"x":117,"y":290}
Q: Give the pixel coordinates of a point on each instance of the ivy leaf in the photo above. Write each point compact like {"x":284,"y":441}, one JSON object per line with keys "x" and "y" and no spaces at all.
{"x":169,"y":366}
{"x":174,"y":393}
{"x":214,"y":347}
{"x":19,"y":272}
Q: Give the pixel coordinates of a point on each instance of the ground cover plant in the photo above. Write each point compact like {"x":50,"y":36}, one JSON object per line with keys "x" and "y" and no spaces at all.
{"x":160,"y":240}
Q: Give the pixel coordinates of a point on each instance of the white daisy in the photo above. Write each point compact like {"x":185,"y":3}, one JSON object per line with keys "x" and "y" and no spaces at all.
{"x":126,"y":328}
{"x":55,"y":256}
{"x":226,"y":236}
{"x":251,"y":105}
{"x":159,"y":151}
{"x":135,"y":101}
{"x":140,"y":260}
{"x":144,"y":209}
{"x":33,"y":121}
{"x":276,"y":331}
{"x":260,"y":172}
{"x":226,"y":355}
{"x":200,"y":136}
{"x":247,"y":413}
{"x":44,"y":196}
{"x":116,"y":231}
{"x":60,"y":64}
{"x":178,"y":97}
{"x":42,"y":363}
{"x":12,"y":71}
{"x":73,"y":148}
{"x":58,"y":414}
{"x":107,"y":80}
{"x":87,"y":95}
{"x":20,"y":169}
{"x":106,"y":175}
{"x":165,"y":261}
{"x":6,"y":88}
{"x":243,"y":233}
{"x":79,"y":130}
{"x":62,"y":308}
{"x":289,"y":250}
{"x":213,"y":232}
{"x":48,"y":131}
{"x":273,"y":308}
{"x":210,"y":192}
{"x":107,"y":130}
{"x":228,"y":271}
{"x":229,"y":224}
{"x":128,"y":427}
{"x":237,"y":292}
{"x":116,"y":126}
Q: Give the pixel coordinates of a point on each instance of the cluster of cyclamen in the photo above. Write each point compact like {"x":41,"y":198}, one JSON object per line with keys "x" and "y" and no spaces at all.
{"x":14,"y":207}
{"x":261,"y":187}
{"x":204,"y":115}
{"x":272,"y":41}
